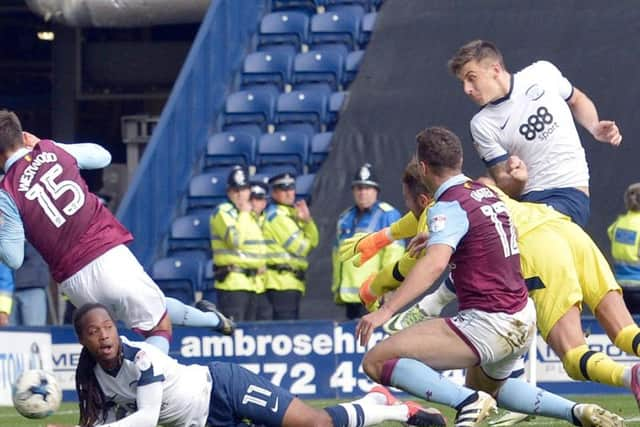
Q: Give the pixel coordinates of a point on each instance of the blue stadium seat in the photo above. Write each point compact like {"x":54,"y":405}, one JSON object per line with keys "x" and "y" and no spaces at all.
{"x":250,"y":107}
{"x":267,"y":67}
{"x":366,"y":27}
{"x":288,"y":27}
{"x":190,"y":232}
{"x":332,"y":47}
{"x":309,"y":6}
{"x":304,"y":187}
{"x":230,"y":148}
{"x":274,"y":169}
{"x":302,"y":106}
{"x":207,"y":190}
{"x":178,"y":277}
{"x":336,"y":102}
{"x":359,"y":7}
{"x":252,"y":129}
{"x":320,"y":147}
{"x":306,"y":128}
{"x":351,"y":66}
{"x":260,"y":177}
{"x":283,"y":148}
{"x":318,"y":67}
{"x":284,"y":48}
{"x":340,"y":26}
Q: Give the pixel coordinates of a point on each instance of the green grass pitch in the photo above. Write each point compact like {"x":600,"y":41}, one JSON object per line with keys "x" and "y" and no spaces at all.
{"x":624,"y":405}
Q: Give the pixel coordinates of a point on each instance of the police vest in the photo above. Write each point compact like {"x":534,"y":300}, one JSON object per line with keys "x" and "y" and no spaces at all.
{"x":624,"y":234}
{"x":289,"y":241}
{"x":347,"y":278}
{"x":237,"y":241}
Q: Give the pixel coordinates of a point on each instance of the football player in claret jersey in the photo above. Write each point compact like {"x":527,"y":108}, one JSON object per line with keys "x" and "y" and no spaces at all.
{"x":131,"y":384}
{"x":44,"y":198}
{"x":531,"y":114}
{"x":470,"y":230}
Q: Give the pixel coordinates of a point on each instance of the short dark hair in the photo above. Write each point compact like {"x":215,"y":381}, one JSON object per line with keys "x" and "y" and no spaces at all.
{"x":10,"y":131}
{"x":475,"y":50}
{"x":439,"y":148}
{"x":413,"y":179}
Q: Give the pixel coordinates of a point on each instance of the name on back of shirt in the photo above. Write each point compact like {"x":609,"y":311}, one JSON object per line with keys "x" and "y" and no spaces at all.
{"x":31,"y":170}
{"x":482,"y":193}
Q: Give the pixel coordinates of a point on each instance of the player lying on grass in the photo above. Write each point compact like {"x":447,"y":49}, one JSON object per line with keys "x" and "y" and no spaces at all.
{"x":153,"y":388}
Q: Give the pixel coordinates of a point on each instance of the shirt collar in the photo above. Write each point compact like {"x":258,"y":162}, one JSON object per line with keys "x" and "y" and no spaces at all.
{"x":14,"y":157}
{"x":454,"y":180}
{"x":508,"y":95}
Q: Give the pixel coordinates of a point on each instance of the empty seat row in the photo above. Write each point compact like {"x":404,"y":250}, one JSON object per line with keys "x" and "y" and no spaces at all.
{"x":351,"y":27}
{"x":262,"y":106}
{"x":240,"y":148}
{"x":333,"y":67}
{"x":314,"y":6}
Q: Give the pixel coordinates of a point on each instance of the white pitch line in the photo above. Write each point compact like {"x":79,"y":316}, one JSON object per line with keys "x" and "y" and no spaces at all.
{"x":67,"y":412}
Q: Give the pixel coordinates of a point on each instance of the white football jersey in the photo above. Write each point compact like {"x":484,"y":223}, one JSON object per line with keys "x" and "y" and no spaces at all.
{"x":186,"y":388}
{"x":534,"y":122}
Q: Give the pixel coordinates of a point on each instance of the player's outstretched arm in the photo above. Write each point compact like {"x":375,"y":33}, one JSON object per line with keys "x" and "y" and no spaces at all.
{"x":88,"y":155}
{"x":585,"y":113}
{"x":362,"y":247}
{"x":420,"y":278}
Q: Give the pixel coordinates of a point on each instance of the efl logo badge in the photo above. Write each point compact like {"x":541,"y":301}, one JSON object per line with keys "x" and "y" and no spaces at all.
{"x":437,"y":223}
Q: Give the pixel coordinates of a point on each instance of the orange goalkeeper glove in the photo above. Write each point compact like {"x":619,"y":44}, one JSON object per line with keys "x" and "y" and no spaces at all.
{"x":367,"y":297}
{"x":363,"y":247}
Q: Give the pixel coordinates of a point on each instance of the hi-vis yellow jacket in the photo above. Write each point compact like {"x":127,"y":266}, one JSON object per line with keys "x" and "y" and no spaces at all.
{"x":237,"y":240}
{"x":289,"y":241}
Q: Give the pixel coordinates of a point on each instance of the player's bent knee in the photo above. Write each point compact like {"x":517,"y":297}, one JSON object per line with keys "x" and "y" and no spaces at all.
{"x":372,"y":366}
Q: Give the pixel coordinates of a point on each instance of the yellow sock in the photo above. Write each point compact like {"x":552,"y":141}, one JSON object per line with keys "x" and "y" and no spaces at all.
{"x":584,"y":364}
{"x":628,"y":339}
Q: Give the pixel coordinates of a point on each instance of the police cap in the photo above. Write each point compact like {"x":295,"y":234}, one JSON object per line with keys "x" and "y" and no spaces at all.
{"x":365,"y":176}
{"x":238,"y":177}
{"x":283,"y":181}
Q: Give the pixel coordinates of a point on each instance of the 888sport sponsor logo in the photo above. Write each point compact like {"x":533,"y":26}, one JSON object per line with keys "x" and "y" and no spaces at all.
{"x":541,"y":125}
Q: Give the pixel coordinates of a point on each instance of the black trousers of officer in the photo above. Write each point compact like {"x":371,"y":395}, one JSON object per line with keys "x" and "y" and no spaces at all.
{"x":286,"y":304}
{"x":240,"y":305}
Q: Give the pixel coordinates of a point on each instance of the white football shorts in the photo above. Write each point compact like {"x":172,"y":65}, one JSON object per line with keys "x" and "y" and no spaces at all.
{"x":499,"y":339}
{"x":117,"y":280}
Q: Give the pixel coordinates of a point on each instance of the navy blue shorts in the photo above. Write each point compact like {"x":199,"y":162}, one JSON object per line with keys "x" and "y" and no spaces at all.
{"x":239,"y":394}
{"x":569,"y":201}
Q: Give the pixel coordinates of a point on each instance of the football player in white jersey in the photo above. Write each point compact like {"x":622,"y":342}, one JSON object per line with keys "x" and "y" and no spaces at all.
{"x":146,"y":387}
{"x":530,"y":114}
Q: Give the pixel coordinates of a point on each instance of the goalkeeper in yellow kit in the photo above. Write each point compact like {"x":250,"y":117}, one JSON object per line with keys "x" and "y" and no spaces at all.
{"x":562,"y":268}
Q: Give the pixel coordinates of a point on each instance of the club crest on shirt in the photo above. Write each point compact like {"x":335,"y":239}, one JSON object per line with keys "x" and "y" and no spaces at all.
{"x":142,"y":361}
{"x":437,"y":223}
{"x":534,"y":92}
